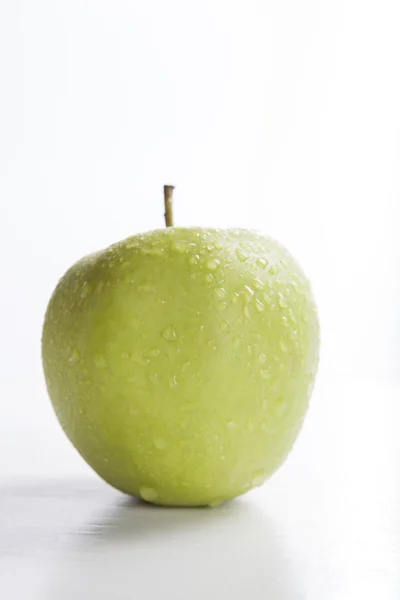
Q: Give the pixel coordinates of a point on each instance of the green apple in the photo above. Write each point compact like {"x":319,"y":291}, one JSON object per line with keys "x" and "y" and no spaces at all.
{"x":180,"y":362}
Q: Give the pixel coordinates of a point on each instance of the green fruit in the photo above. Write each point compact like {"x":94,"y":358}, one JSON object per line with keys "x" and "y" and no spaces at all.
{"x":180,"y":362}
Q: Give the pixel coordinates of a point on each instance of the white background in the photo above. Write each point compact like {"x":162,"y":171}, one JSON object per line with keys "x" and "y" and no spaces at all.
{"x":282,"y":116}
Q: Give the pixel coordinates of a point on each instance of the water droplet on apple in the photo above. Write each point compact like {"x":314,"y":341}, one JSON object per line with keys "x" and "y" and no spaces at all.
{"x":194,"y":259}
{"x":212,"y":264}
{"x":154,"y":378}
{"x":285,"y":322}
{"x":262,"y":358}
{"x":249,"y":291}
{"x":185,"y":366}
{"x":157,"y":251}
{"x":222,"y":305}
{"x":147,"y":493}
{"x":138,"y":358}
{"x":86,"y":289}
{"x":273,"y":270}
{"x":74,"y":356}
{"x":224,"y":325}
{"x":159,"y":443}
{"x":280,"y":406}
{"x":220,"y":292}
{"x":169,"y":333}
{"x":265,"y":374}
{"x":100,"y":362}
{"x":242,"y":256}
{"x":209,"y":278}
{"x":180,"y":246}
{"x":292,"y":316}
{"x":283,"y":346}
{"x":267,"y":300}
{"x":231,"y":424}
{"x":259,"y":305}
{"x":267,"y":428}
{"x":216,"y":503}
{"x":281,"y":300}
{"x":236,"y":342}
{"x":257,"y":284}
{"x":145,"y":288}
{"x":258,"y":478}
{"x":173,"y":382}
{"x":261,"y":262}
{"x":152,"y":353}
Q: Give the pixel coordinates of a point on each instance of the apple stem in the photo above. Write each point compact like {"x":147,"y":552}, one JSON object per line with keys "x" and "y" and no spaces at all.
{"x":168,"y":193}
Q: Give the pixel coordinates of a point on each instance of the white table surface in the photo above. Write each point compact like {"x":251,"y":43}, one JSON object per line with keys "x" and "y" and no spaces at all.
{"x":325,"y":527}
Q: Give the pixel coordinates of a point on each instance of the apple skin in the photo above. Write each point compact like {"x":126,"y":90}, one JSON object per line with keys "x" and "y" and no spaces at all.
{"x":180,"y":362}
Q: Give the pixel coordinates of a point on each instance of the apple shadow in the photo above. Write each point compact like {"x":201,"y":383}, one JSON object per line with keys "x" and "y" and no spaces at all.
{"x":97,"y":544}
{"x":138,"y":549}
